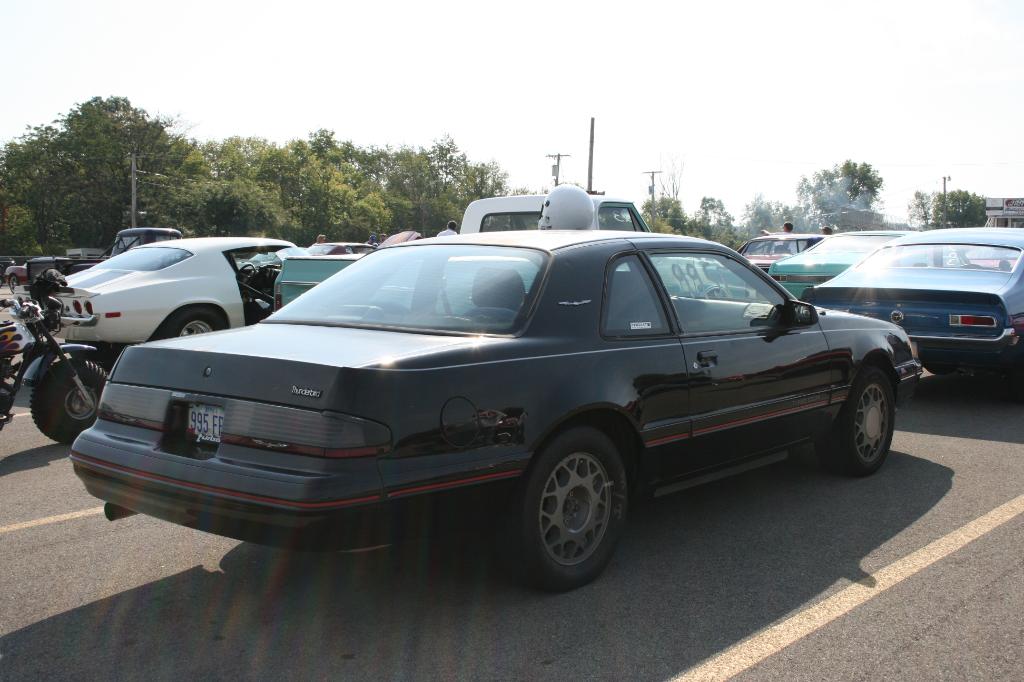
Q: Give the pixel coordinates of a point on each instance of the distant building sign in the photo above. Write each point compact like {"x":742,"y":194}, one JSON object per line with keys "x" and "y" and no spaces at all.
{"x":1013,"y":206}
{"x":1002,"y":212}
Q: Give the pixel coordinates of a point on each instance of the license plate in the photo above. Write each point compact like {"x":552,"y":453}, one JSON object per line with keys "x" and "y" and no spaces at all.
{"x":205,"y":422}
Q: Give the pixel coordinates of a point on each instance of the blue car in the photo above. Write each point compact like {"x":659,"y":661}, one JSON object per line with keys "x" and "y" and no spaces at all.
{"x":958,"y":293}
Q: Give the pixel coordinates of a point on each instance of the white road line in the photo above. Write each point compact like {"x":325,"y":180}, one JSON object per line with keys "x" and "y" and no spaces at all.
{"x":752,"y":651}
{"x":51,"y":519}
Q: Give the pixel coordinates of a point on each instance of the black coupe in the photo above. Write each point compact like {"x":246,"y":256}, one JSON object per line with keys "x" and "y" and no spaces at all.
{"x":558,"y":375}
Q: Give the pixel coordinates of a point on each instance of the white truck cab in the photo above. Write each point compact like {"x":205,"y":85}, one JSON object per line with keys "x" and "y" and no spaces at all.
{"x":502,"y":214}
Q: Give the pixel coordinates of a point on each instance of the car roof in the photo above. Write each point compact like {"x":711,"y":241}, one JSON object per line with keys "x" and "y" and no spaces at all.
{"x":789,"y":235}
{"x":997,"y":236}
{"x":202,"y":244}
{"x":873,"y":233}
{"x":337,"y":256}
{"x":131,"y":231}
{"x":344,"y":244}
{"x":516,"y":200}
{"x":551,"y":240}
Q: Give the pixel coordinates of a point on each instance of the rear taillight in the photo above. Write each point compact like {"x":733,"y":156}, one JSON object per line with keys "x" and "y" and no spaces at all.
{"x":972,"y":321}
{"x":88,"y":307}
{"x":77,"y":305}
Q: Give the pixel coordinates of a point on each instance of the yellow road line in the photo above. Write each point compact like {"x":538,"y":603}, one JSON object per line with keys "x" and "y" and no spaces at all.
{"x":51,"y":519}
{"x":752,"y":651}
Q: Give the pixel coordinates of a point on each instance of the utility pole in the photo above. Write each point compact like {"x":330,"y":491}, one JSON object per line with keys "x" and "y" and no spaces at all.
{"x":654,"y":205}
{"x":590,"y":159}
{"x":135,"y":193}
{"x":556,"y":170}
{"x":945,"y":215}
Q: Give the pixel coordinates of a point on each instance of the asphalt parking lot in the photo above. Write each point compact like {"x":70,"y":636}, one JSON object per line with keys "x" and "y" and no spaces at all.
{"x":914,"y":573}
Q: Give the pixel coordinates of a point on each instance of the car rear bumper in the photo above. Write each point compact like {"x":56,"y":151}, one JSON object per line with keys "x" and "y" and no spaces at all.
{"x":347,"y":524}
{"x":1007,"y":338}
{"x":1004,"y":350}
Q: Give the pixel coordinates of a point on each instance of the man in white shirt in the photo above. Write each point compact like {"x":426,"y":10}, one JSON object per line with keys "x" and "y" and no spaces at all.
{"x":449,"y":231}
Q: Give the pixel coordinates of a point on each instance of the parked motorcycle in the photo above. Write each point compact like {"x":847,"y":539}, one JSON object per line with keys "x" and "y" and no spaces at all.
{"x":66,"y":386}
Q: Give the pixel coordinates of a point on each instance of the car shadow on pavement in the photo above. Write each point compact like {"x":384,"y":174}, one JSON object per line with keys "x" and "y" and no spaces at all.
{"x":696,"y":572}
{"x":32,"y":458}
{"x":963,"y":406}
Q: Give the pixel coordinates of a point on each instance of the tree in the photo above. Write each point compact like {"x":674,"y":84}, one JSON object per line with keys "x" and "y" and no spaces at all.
{"x":70,"y":183}
{"x":920,"y":209}
{"x":670,"y":215}
{"x":963,"y":209}
{"x":761,"y":214}
{"x":848,"y":185}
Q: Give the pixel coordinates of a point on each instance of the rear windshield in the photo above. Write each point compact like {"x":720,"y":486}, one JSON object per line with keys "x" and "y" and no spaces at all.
{"x":944,"y":257}
{"x":437,"y":287}
{"x":145,"y":260}
{"x":506,"y":222}
{"x":775,"y":247}
{"x":853,"y":244}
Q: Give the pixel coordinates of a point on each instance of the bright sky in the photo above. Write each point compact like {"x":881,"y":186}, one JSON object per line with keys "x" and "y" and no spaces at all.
{"x":747,"y":96}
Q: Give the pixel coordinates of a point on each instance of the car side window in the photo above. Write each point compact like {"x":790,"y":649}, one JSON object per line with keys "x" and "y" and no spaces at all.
{"x":714,"y":293}
{"x":631,"y":306}
{"x":616,"y":218}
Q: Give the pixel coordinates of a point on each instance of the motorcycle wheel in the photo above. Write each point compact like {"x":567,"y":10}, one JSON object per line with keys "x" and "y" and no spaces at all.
{"x":57,"y":407}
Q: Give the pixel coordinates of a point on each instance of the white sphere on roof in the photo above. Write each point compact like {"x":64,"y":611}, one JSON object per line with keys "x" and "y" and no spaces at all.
{"x":567,"y":207}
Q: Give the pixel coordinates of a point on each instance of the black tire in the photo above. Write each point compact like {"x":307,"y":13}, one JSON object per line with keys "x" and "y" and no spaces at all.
{"x":940,"y":370}
{"x":56,"y":405}
{"x":180,"y":321}
{"x":861,"y":436}
{"x":13,"y":283}
{"x":591,"y":516}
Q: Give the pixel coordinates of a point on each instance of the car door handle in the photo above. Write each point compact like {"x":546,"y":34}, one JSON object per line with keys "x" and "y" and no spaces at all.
{"x":707,"y":358}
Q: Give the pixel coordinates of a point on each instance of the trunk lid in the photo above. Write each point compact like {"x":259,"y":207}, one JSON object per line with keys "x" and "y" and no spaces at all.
{"x":920,"y":311}
{"x":333,"y":368}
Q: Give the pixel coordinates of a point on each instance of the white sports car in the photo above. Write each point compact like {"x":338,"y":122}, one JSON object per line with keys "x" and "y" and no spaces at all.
{"x":156,"y":291}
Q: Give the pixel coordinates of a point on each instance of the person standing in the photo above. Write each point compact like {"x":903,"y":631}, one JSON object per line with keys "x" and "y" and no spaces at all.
{"x":450,"y":230}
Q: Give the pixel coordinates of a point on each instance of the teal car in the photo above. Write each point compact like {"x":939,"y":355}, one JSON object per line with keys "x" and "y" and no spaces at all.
{"x":299,"y":274}
{"x":828,"y":258}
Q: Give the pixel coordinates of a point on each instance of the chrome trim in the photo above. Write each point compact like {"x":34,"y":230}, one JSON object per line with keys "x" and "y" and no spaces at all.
{"x":89,"y":321}
{"x":1006,"y":339}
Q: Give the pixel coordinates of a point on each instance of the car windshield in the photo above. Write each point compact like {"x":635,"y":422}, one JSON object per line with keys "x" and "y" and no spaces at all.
{"x":145,"y":260}
{"x":292,"y":252}
{"x":772,"y":247}
{"x":861,"y":243}
{"x":449,"y":288}
{"x":323,"y":249}
{"x":945,"y":257}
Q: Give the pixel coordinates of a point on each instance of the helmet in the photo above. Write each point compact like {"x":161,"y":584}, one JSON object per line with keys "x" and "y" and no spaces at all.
{"x":567,"y":208}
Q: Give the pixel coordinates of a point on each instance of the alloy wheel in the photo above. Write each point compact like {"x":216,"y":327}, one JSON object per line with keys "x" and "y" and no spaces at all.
{"x":575,"y":507}
{"x":196,"y":327}
{"x":870,"y":423}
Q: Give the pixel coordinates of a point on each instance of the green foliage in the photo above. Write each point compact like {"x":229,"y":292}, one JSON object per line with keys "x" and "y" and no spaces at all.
{"x":70,"y":183}
{"x":19,"y":235}
{"x":762,"y":214}
{"x":670,"y":216}
{"x":848,"y":185}
{"x":963,"y":209}
{"x":920,"y":209}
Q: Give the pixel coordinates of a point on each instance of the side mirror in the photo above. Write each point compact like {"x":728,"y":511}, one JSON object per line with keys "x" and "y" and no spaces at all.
{"x":799,"y":314}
